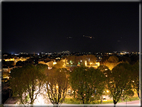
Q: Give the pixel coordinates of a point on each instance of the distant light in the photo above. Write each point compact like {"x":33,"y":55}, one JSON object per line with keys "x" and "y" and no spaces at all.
{"x":85,"y":63}
{"x":98,"y":63}
{"x":54,"y":63}
{"x":58,"y":58}
{"x":16,"y":54}
{"x":71,"y":62}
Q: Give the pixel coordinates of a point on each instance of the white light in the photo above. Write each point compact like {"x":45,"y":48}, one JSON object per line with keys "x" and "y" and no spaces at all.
{"x":16,"y":54}
{"x":42,"y":98}
{"x":54,"y":63}
{"x":49,"y":67}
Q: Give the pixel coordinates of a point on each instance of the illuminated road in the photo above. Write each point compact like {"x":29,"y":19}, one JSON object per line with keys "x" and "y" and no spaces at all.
{"x":122,"y":104}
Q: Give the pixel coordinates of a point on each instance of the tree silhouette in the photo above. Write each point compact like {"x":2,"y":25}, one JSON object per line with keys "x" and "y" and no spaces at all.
{"x":56,"y":85}
{"x":26,"y":82}
{"x":119,"y":81}
{"x":86,"y":82}
{"x":135,"y":76}
{"x":111,"y":62}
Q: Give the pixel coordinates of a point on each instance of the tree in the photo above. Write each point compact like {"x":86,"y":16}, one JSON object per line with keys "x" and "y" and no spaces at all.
{"x":127,"y":94}
{"x":134,"y":58}
{"x":119,"y":81}
{"x":113,"y":59}
{"x":135,"y":76}
{"x":125,"y":58}
{"x":56,"y":85}
{"x":3,"y":62}
{"x":105,"y":70}
{"x":104,"y":59}
{"x":97,"y":82}
{"x":86,"y":82}
{"x":111,"y":62}
{"x":26,"y":82}
{"x":20,"y":63}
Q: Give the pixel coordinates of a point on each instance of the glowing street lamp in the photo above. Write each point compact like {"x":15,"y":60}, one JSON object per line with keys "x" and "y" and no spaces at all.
{"x":85,"y":63}
{"x":107,"y":91}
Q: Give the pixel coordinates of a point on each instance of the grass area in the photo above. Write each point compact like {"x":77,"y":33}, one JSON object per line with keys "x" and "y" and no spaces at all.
{"x":130,"y":99}
{"x":107,"y":101}
{"x":71,"y":101}
{"x":74,"y":101}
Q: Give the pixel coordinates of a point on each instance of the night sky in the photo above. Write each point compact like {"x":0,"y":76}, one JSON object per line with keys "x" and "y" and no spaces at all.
{"x":74,"y":26}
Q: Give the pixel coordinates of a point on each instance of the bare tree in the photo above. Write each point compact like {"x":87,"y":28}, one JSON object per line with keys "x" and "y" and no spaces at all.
{"x":56,"y":85}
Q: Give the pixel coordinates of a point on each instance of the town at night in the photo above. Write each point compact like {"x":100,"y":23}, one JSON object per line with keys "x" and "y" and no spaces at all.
{"x":70,"y":54}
